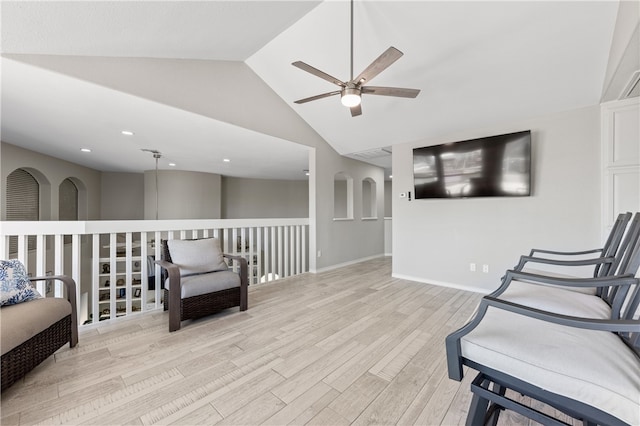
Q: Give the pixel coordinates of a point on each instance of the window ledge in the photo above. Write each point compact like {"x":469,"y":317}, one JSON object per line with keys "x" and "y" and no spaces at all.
{"x":370,"y":218}
{"x":342,"y":219}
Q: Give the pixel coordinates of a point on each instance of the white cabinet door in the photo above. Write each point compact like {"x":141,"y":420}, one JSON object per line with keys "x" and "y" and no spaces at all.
{"x":620,"y":159}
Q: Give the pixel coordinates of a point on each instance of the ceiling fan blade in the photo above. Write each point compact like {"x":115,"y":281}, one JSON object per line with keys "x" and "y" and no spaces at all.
{"x":356,"y":110}
{"x":313,"y":98}
{"x":390,"y":91}
{"x":308,"y":68}
{"x":383,"y":61}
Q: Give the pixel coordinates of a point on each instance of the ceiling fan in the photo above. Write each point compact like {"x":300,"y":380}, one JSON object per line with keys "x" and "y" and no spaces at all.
{"x":351,"y":91}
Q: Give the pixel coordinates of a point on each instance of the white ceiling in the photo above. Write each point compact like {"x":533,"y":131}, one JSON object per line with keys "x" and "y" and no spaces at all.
{"x":477,"y":64}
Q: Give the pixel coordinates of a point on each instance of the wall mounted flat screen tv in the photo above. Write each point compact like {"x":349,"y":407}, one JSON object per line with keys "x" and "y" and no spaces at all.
{"x":495,"y":166}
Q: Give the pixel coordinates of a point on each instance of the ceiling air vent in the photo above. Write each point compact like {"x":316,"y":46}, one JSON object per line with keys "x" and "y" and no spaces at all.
{"x":632,"y":89}
{"x":374,"y":153}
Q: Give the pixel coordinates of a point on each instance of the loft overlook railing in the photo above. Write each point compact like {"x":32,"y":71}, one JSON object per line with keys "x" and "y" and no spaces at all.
{"x":112,"y":261}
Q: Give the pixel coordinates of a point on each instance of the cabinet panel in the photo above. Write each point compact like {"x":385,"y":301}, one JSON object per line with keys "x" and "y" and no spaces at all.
{"x":621,"y":159}
{"x":626,"y":137}
{"x":626,"y":190}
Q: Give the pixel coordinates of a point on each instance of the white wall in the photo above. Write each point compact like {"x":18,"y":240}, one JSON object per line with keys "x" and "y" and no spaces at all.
{"x":435,"y":240}
{"x":50,"y":172}
{"x":264,"y":198}
{"x":182,"y":195}
{"x":122,"y":196}
{"x":345,"y":241}
{"x":388,"y":198}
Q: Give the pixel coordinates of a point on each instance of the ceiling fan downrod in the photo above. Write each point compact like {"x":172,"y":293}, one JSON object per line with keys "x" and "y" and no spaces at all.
{"x":351,"y":75}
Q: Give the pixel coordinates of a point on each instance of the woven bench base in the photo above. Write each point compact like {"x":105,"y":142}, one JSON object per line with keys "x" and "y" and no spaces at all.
{"x":206,"y":304}
{"x":24,"y":358}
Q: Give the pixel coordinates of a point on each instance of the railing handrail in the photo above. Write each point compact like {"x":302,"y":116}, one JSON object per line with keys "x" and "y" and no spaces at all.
{"x":11,"y":228}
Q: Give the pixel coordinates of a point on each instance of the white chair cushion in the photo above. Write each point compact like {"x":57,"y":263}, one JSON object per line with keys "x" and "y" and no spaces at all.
{"x":556,"y":299}
{"x":197,"y":256}
{"x":593,"y":367}
{"x":196,"y":285}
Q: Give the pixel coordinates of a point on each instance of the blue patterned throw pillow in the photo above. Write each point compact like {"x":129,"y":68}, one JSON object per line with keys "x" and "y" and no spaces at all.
{"x":15,"y":286}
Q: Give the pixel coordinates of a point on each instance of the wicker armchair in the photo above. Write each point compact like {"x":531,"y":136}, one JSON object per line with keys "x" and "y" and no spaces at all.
{"x":199,"y":282}
{"x":32,"y":331}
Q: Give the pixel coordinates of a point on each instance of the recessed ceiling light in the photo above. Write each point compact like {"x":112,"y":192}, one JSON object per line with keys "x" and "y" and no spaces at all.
{"x":172,"y":164}
{"x":226,"y":160}
{"x":85,"y":150}
{"x":390,"y":176}
{"x":127,"y":132}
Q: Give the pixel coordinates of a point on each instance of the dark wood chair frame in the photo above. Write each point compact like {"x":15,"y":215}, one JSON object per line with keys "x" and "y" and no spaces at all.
{"x":28,"y":355}
{"x":202,"y":305}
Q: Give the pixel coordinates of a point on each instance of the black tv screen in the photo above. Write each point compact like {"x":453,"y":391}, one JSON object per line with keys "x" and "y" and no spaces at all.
{"x":495,"y":166}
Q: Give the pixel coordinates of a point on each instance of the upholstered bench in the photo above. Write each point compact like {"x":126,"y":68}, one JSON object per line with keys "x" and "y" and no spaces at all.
{"x":32,"y":330}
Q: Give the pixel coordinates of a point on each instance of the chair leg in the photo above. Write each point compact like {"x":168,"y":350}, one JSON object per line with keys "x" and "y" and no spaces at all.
{"x":494,"y":409}
{"x":483,"y":412}
{"x":477,"y":411}
{"x":244,"y":299}
{"x":174,"y":317}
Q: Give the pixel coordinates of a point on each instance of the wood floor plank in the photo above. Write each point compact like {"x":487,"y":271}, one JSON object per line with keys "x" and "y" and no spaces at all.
{"x":388,"y":407}
{"x":205,"y":415}
{"x":261,"y":408}
{"x":354,"y":399}
{"x":299,"y":405}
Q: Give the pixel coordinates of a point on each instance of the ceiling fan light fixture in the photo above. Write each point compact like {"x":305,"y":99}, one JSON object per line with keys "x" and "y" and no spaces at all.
{"x":350,"y":97}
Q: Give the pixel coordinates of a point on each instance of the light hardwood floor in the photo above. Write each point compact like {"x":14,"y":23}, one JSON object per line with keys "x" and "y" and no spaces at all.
{"x":349,"y":346}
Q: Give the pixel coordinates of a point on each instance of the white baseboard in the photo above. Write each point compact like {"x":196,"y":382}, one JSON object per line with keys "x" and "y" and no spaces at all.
{"x":442,"y":284}
{"x":351,"y":262}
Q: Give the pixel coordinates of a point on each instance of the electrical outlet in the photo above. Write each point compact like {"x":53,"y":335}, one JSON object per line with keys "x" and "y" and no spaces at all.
{"x":319,"y":253}
{"x":485,"y":269}
{"x":472,"y":267}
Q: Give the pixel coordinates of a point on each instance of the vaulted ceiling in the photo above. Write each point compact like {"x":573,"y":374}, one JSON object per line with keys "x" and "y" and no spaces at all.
{"x":477,"y":64}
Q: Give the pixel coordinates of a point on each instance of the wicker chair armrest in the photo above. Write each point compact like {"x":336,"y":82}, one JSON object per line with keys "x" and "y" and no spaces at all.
{"x":175,"y":293}
{"x":167,"y":265}
{"x":564,"y":253}
{"x":70,"y":287}
{"x":244,"y":268}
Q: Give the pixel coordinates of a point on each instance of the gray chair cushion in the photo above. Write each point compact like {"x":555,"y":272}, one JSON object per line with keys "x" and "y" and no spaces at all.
{"x":197,"y":256}
{"x":195,"y":285}
{"x":19,"y":323}
{"x":593,"y":367}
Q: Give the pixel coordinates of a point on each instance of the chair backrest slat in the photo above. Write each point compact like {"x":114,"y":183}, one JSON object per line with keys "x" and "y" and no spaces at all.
{"x":612,"y":245}
{"x":624,"y":300}
{"x":626,"y":262}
